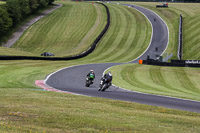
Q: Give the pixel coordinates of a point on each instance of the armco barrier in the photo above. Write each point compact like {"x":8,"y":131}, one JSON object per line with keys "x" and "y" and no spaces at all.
{"x":180,"y":38}
{"x":90,"y":50}
{"x":174,"y":63}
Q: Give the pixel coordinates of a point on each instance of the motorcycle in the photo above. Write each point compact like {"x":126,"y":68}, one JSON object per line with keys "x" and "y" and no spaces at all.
{"x":103,"y":85}
{"x":88,"y":82}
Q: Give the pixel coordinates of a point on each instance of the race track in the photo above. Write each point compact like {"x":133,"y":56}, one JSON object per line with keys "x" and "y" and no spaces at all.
{"x":72,"y":79}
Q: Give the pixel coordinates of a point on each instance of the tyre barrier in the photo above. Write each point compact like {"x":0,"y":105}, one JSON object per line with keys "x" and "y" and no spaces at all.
{"x":173,"y":63}
{"x":85,"y":53}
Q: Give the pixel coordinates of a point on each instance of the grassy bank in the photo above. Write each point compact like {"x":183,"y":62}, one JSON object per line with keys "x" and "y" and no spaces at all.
{"x":169,"y":81}
{"x":129,"y":32}
{"x":22,"y":74}
{"x":190,"y":13}
{"x":67,"y":31}
{"x":26,"y":108}
{"x":191,"y":41}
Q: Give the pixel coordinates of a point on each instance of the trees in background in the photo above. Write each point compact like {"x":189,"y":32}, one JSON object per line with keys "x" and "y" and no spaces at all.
{"x":5,"y":20}
{"x":14,"y":11}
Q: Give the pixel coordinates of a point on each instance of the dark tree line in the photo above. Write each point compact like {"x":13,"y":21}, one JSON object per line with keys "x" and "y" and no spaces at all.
{"x":14,"y":11}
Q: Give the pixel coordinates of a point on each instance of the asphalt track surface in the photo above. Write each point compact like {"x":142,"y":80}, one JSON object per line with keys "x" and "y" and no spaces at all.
{"x":72,"y":79}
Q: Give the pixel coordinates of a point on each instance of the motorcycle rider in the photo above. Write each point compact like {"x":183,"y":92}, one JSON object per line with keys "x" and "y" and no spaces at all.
{"x":91,"y":75}
{"x":108,"y":78}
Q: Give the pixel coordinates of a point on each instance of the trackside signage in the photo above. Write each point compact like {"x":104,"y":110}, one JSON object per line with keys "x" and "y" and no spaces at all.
{"x":192,"y":61}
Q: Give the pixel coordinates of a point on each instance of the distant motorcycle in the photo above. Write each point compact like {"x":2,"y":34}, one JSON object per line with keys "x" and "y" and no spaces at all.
{"x":88,"y":82}
{"x":104,"y":85}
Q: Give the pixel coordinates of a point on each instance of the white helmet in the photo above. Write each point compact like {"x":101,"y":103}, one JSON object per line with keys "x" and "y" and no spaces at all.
{"x":109,"y":73}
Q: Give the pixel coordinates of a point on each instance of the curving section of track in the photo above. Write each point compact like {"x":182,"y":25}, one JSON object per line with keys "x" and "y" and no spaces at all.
{"x":160,"y":34}
{"x":72,"y":79}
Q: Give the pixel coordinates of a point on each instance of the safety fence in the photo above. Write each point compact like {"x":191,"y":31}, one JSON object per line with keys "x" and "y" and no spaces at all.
{"x":180,"y":38}
{"x":90,"y":50}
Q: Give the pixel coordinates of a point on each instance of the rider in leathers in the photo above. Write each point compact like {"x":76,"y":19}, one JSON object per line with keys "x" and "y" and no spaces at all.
{"x":108,"y":78}
{"x":91,"y":75}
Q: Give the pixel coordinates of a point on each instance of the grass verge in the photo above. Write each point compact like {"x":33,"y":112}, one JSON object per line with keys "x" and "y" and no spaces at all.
{"x":169,"y":81}
{"x":190,"y":13}
{"x":27,"y":110}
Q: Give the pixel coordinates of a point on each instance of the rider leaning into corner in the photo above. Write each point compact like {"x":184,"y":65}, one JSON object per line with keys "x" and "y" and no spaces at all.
{"x":107,"y":78}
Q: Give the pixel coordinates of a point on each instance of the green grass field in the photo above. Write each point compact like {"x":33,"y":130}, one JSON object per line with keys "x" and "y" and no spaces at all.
{"x":129,"y":33}
{"x":190,"y":13}
{"x":191,"y":42}
{"x":130,"y":30}
{"x":71,"y":32}
{"x":168,"y":81}
{"x":27,"y":108}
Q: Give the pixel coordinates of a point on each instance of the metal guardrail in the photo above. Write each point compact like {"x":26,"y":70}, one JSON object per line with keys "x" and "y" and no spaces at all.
{"x":180,"y":39}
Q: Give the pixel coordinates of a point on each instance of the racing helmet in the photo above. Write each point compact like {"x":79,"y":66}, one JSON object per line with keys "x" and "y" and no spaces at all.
{"x":109,"y":73}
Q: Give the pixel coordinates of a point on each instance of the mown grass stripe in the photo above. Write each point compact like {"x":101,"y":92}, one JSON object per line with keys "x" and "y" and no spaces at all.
{"x":64,"y":113}
{"x":191,"y":20}
{"x":110,"y":36}
{"x":135,"y":81}
{"x":191,"y":41}
{"x":168,"y":81}
{"x":158,"y":79}
{"x":60,"y":35}
{"x":120,"y":45}
{"x":91,"y":31}
{"x":131,"y":40}
{"x":170,"y":78}
{"x":185,"y":81}
{"x":112,"y":43}
{"x":127,"y":48}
